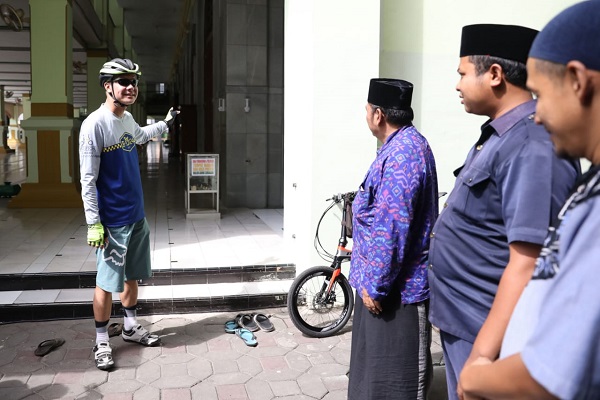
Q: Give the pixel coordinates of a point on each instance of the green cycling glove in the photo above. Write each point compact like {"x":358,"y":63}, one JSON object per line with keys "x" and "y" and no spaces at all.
{"x":95,"y":236}
{"x":170,"y":118}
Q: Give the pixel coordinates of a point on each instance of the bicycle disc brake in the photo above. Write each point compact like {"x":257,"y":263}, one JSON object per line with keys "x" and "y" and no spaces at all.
{"x":323,"y":302}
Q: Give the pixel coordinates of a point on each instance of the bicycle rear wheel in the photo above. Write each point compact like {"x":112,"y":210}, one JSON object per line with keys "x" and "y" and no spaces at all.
{"x":314,"y":312}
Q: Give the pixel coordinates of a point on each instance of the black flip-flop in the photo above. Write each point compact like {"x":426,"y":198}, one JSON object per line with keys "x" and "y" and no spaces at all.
{"x":115,"y":329}
{"x":247,"y":321}
{"x":47,"y":346}
{"x":263,"y":322}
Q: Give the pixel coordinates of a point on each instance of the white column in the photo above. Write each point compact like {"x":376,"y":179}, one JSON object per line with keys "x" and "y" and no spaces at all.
{"x":331,"y":52}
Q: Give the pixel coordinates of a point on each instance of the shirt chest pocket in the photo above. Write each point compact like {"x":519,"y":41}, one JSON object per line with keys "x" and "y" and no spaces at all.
{"x":476,"y":194}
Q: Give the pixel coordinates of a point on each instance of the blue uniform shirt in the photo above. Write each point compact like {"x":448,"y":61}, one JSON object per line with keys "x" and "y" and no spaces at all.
{"x":555,"y":323}
{"x":510,"y":189}
{"x":393,"y":213}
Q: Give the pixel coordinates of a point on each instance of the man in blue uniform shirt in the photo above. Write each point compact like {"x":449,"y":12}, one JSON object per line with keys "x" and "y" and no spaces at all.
{"x":551,"y":346}
{"x":393,"y":212}
{"x":486,"y":240}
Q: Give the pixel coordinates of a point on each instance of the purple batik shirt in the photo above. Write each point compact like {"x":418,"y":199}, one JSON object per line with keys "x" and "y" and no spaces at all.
{"x":394,"y":211}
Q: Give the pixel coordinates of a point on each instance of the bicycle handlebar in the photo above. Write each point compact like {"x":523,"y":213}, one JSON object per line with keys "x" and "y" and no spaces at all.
{"x":340,"y":196}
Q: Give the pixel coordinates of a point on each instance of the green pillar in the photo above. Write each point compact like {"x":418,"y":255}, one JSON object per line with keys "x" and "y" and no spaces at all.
{"x":51,"y":131}
{"x":118,"y":32}
{"x":95,"y":92}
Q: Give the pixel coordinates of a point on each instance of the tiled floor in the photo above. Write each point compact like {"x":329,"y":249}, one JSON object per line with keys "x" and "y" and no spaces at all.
{"x":53,"y":240}
{"x":196,"y":360}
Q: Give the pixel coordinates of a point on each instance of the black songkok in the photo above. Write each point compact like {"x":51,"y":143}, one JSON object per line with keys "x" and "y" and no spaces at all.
{"x":510,"y":42}
{"x":390,"y":93}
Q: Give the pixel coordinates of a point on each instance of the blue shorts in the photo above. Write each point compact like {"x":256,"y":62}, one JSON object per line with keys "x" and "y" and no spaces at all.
{"x":126,"y":256}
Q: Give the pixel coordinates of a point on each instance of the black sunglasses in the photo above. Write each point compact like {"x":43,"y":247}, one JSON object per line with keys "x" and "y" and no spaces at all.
{"x":126,"y":82}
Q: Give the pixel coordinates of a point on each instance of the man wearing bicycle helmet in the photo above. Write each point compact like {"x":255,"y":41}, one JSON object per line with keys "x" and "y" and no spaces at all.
{"x":113,"y":201}
{"x":394,"y":210}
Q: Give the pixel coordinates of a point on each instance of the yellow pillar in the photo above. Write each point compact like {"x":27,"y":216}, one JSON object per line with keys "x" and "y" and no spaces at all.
{"x":3,"y":126}
{"x":26,"y":103}
{"x":26,"y":100}
{"x":51,"y":132}
{"x":13,"y":133}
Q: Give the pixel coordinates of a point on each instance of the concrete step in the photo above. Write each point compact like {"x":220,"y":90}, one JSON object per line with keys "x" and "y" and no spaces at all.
{"x":78,"y":280}
{"x":66,"y":295}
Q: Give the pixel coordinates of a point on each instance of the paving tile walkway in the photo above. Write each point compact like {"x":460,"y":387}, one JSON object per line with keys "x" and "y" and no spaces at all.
{"x":197,"y":360}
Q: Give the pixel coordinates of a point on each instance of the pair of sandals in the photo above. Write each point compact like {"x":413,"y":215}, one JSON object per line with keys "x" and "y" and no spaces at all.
{"x":244,"y":324}
{"x":253,"y":322}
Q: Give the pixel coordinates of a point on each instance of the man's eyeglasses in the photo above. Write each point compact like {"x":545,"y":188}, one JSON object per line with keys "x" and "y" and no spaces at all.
{"x":126,"y":82}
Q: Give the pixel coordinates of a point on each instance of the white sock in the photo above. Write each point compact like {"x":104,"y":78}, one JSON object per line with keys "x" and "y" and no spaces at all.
{"x":129,"y":323}
{"x":101,"y":331}
{"x":130,"y":320}
{"x":101,"y":337}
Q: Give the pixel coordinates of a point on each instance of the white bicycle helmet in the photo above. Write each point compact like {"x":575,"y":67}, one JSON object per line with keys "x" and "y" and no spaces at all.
{"x":118,"y":66}
{"x":111,"y":71}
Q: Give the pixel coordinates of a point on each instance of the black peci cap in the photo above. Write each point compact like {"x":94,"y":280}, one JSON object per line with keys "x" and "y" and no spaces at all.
{"x":390,"y":93}
{"x":511,"y":42}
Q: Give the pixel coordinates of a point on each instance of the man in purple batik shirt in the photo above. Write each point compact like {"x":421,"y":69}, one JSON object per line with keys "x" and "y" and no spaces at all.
{"x":394,"y":211}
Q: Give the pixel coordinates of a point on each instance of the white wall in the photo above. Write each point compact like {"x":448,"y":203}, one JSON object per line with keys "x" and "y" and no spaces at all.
{"x":420,"y":43}
{"x":332,"y":49}
{"x":331,"y":52}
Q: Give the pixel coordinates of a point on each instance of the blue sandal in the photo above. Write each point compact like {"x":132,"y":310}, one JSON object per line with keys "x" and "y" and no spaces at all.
{"x":232,"y":325}
{"x":247,"y":336}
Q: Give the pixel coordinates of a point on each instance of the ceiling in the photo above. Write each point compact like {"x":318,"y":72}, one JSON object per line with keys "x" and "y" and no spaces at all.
{"x":154,"y":27}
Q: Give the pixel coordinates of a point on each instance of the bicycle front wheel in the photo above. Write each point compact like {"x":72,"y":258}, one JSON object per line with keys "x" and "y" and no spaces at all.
{"x":313,"y":310}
